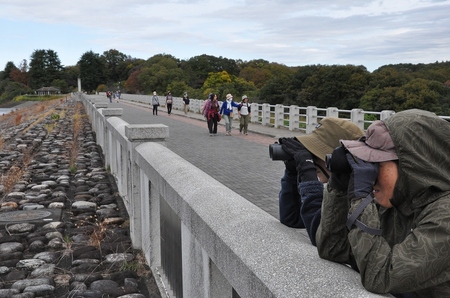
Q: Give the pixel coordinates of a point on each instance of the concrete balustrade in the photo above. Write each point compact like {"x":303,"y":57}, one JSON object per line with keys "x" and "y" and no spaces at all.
{"x":292,"y":117}
{"x":228,"y":246}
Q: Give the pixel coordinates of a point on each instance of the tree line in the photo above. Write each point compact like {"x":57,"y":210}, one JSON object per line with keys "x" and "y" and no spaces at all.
{"x":395,"y":87}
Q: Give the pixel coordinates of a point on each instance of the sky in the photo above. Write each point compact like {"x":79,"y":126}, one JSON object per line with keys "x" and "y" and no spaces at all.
{"x":289,"y":32}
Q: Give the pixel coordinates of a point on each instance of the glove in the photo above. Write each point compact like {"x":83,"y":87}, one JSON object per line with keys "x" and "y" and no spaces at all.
{"x":340,"y":169}
{"x":339,"y":181}
{"x":304,"y":164}
{"x":291,"y":166}
{"x":363,"y":177}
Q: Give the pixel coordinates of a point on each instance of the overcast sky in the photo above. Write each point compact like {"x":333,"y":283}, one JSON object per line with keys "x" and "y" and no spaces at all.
{"x":290,"y":32}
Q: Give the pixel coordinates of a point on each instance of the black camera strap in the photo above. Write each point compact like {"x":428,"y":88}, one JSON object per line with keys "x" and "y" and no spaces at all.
{"x":352,"y":218}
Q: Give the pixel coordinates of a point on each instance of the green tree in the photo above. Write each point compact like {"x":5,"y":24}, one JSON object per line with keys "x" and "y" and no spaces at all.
{"x":92,"y":71}
{"x":275,"y":91}
{"x":45,"y":67}
{"x":61,"y":84}
{"x":6,"y":74}
{"x":158,"y":72}
{"x":339,"y":86}
{"x":259,"y":76}
{"x":71,"y":75}
{"x":9,"y":90}
{"x":178,"y":88}
{"x":115,"y":66}
{"x":199,"y":68}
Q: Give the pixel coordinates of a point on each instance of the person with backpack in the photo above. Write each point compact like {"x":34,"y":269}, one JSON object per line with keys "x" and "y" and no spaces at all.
{"x":244,"y":114}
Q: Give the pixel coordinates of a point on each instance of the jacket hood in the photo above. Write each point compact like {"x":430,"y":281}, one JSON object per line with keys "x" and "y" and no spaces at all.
{"x":422,"y":141}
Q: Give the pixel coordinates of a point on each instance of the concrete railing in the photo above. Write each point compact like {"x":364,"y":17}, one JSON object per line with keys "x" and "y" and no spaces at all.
{"x":292,"y":117}
{"x":200,"y":237}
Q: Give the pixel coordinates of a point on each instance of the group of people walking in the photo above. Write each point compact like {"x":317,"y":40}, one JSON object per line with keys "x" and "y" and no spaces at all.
{"x":169,"y":103}
{"x":213,"y":113}
{"x":110,"y":95}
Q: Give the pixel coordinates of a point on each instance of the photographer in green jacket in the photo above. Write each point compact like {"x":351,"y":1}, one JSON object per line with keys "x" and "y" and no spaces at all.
{"x":389,"y":215}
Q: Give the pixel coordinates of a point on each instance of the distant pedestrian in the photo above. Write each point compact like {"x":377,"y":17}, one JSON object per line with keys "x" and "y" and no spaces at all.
{"x":169,"y":101}
{"x":109,"y":95}
{"x":186,"y":103}
{"x":244,"y":113}
{"x":117,"y":96}
{"x":211,"y":112}
{"x":155,"y":103}
{"x":227,"y":111}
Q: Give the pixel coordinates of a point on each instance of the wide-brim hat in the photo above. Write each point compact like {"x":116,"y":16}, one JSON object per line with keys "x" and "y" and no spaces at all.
{"x":376,"y":146}
{"x":229,"y":96}
{"x":329,"y":131}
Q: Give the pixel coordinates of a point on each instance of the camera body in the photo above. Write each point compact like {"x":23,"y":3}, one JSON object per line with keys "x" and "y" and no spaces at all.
{"x":276,"y":152}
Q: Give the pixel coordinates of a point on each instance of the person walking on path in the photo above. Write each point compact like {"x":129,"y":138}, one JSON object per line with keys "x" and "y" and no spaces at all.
{"x":109,"y":95}
{"x":186,"y":103}
{"x":244,"y":113}
{"x":227,"y":111}
{"x":155,"y":103}
{"x":211,"y":112}
{"x":169,"y":101}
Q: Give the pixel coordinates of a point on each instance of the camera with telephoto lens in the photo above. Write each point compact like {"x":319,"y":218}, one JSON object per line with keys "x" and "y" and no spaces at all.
{"x":337,"y":162}
{"x":276,"y":152}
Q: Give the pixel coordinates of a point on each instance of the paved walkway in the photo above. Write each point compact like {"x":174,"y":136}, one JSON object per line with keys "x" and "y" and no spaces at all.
{"x":241,"y":162}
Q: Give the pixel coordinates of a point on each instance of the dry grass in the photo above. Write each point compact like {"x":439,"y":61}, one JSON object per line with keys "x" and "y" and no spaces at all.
{"x":77,"y":128}
{"x":2,"y":143}
{"x":11,"y":177}
{"x":98,"y":234}
{"x":17,"y":119}
{"x":38,"y":120}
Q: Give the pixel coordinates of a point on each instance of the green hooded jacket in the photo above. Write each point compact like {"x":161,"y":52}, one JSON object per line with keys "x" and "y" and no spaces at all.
{"x":413,"y":254}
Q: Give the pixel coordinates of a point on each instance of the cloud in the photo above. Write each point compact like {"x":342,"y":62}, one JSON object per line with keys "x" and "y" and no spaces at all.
{"x":292,"y":32}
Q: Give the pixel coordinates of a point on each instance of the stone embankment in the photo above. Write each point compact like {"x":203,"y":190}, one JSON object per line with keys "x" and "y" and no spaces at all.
{"x":63,"y":229}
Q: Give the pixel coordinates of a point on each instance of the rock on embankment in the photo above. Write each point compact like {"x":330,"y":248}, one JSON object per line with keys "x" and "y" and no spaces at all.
{"x":63,"y":230}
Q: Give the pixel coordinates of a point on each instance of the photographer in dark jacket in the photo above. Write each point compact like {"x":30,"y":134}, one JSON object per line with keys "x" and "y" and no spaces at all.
{"x":392,"y":215}
{"x":300,"y":197}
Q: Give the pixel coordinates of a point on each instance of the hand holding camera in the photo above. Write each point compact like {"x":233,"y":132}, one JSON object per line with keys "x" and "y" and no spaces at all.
{"x":340,"y":169}
{"x":363,"y":177}
{"x":304,"y":164}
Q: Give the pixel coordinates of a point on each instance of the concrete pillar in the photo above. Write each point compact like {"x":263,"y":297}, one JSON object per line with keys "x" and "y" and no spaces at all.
{"x":265,"y":114}
{"x":333,"y":112}
{"x":101,"y":124}
{"x":386,"y":114}
{"x":311,"y":116}
{"x":136,"y":135}
{"x":279,"y":116}
{"x":357,"y":117}
{"x":294,"y":118}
